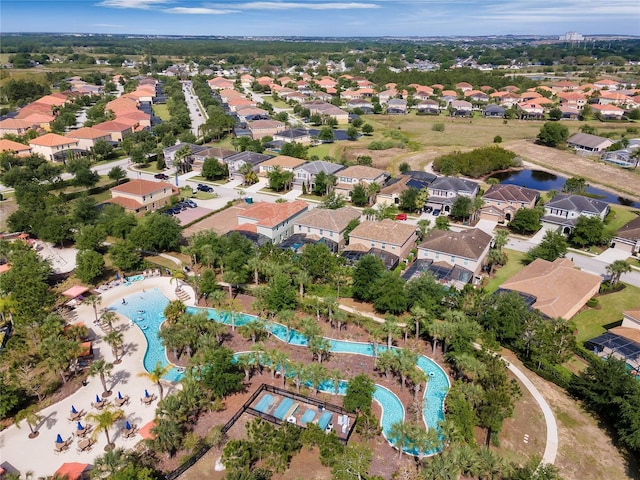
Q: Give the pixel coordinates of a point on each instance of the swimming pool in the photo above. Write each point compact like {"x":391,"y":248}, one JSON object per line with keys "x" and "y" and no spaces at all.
{"x":146,"y":309}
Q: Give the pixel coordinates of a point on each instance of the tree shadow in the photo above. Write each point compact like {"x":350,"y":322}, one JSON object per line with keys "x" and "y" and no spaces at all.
{"x":120,"y":377}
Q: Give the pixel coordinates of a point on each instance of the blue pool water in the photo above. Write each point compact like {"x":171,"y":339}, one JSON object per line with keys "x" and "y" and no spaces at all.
{"x":324,"y":420}
{"x":308,"y":416}
{"x":146,"y":310}
{"x":283,"y":408}
{"x":264,"y":403}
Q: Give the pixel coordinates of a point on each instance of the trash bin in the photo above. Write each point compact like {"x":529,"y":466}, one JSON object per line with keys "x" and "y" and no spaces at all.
{"x":249,"y":200}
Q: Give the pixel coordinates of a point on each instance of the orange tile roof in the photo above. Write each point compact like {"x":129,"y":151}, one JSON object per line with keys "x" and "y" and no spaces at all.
{"x":87,"y":133}
{"x":112,"y":126}
{"x":14,"y":124}
{"x":39,"y":118}
{"x":126,"y":203}
{"x":141,"y":187}
{"x":135,"y":114}
{"x":51,"y":100}
{"x":607,"y":108}
{"x":11,"y":146}
{"x":33,"y":108}
{"x":52,"y":140}
{"x":269,"y":214}
{"x":284,"y":161}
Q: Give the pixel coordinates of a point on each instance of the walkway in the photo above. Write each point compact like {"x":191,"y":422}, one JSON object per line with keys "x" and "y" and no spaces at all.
{"x":18,"y":450}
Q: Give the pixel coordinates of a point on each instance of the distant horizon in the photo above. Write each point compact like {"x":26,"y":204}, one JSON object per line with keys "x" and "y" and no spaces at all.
{"x":321,"y":18}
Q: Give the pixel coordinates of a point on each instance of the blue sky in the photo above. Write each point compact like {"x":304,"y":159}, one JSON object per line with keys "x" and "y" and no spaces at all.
{"x":323,"y":17}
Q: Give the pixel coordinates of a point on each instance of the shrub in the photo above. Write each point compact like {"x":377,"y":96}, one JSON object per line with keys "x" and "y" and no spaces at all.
{"x":592,"y":303}
{"x":497,"y":139}
{"x":438,"y":127}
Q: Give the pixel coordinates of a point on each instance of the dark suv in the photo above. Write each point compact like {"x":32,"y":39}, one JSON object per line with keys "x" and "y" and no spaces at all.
{"x":161,"y":176}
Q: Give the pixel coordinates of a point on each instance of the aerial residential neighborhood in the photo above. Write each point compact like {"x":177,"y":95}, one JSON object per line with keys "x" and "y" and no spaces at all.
{"x":280,"y":257}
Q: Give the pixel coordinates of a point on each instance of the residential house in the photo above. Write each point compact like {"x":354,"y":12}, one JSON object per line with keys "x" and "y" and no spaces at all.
{"x":391,"y":193}
{"x":467,"y":249}
{"x":428,"y":107}
{"x":171,"y":152}
{"x":53,"y":146}
{"x":246,"y":80}
{"x":388,"y":235}
{"x":249,"y":113}
{"x":274,"y":221}
{"x":236,"y":161}
{"x":564,"y":86}
{"x":631,"y":319}
{"x":326,"y":225}
{"x":558,"y":289}
{"x":40,"y":120}
{"x":397,"y":106}
{"x":359,"y":174}
{"x":444,"y":191}
{"x":476,"y":96}
{"x":117,"y":130}
{"x":219,"y":83}
{"x":496,"y":111}
{"x":608,"y":112}
{"x":509,"y":99}
{"x":502,"y":201}
{"x":606,"y":84}
{"x":570,"y":113}
{"x":461,"y":108}
{"x":585,"y":143}
{"x":364,"y":105}
{"x":617,"y":98}
{"x":628,"y":237}
{"x":298,"y":135}
{"x":563,"y":210}
{"x":88,"y":136}
{"x":14,"y":126}
{"x":464,"y":86}
{"x":140,"y":196}
{"x":306,"y":173}
{"x":531,"y":111}
{"x":284,"y":162}
{"x":198,"y":157}
{"x":327,"y":110}
{"x":573,"y":99}
{"x":263,"y":128}
{"x":14,"y":148}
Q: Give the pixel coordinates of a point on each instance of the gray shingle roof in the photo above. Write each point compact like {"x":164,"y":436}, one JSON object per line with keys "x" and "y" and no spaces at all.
{"x":454,"y":184}
{"x":511,"y":193}
{"x":578,"y":203}
{"x":586,"y":140}
{"x":321,"y":166}
{"x":249,"y":157}
{"x":631,"y":230}
{"x":466,"y":244}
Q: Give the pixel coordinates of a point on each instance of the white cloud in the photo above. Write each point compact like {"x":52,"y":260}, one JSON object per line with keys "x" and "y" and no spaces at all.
{"x":107,"y":25}
{"x":300,"y":5}
{"x":199,"y":11}
{"x":139,"y":4}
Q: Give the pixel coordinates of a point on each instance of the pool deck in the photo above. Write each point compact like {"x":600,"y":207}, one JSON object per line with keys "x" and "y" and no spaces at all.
{"x":17,"y":450}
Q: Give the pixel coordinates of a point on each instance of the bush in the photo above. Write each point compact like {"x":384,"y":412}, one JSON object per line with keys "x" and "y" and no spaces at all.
{"x":438,"y":127}
{"x":475,"y":163}
{"x":592,"y":302}
{"x":497,"y":139}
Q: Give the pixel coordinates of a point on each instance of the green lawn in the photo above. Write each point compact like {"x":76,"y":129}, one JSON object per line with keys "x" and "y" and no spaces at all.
{"x":322,"y":150}
{"x":162,"y":111}
{"x":619,"y":216}
{"x":513,"y":266}
{"x":276,"y":103}
{"x":591,"y":322}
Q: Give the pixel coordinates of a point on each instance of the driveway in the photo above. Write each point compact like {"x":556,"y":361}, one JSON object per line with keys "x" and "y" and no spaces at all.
{"x":610,"y":255}
{"x":191,"y":214}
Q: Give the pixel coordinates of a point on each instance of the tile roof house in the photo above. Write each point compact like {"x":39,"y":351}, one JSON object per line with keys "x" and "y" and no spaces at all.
{"x":560,"y":290}
{"x":428,"y":107}
{"x":88,"y":136}
{"x":299,"y":135}
{"x":352,"y":176}
{"x":631,"y":318}
{"x":53,"y":146}
{"x":444,"y":191}
{"x":286,"y":164}
{"x":117,"y":130}
{"x":264,"y":128}
{"x":15,"y":148}
{"x":563,"y":210}
{"x":608,"y":112}
{"x":329,"y":110}
{"x":14,"y":126}
{"x":388,"y":235}
{"x":198,"y":157}
{"x":140,"y":196}
{"x":236,"y":161}
{"x":461,"y":108}
{"x":40,"y":120}
{"x":502,"y":201}
{"x":396,"y":106}
{"x":587,"y":143}
{"x":467,"y":249}
{"x":306,"y":174}
{"x":274,"y":221}
{"x":170,"y":152}
{"x":628,"y":237}
{"x":390,"y":194}
{"x":322,"y":223}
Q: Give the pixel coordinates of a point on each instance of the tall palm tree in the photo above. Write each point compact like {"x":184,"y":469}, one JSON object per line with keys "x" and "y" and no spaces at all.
{"x":336,"y":375}
{"x":31,"y":417}
{"x":174,"y":310}
{"x":101,"y":369}
{"x":315,"y":374}
{"x":298,"y":372}
{"x":390,"y":328}
{"x":254,"y":330}
{"x":288,"y":319}
{"x":156,"y":375}
{"x":94,"y":301}
{"x":405,"y":364}
{"x":501,"y":239}
{"x":420,"y":316}
{"x":115,"y":340}
{"x":400,"y":433}
{"x":279,"y":360}
{"x":108,"y":318}
{"x":110,"y":463}
{"x":617,"y":269}
{"x":104,"y":420}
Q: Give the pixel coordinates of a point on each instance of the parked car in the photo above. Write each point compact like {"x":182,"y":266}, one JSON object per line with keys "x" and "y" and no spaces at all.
{"x":191,"y":203}
{"x":436,"y":212}
{"x":204,"y":188}
{"x":161,"y":176}
{"x":428,"y":209}
{"x":401,"y":216}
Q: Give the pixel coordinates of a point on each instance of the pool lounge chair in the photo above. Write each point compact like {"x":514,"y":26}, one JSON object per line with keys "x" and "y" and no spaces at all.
{"x":85,"y":445}
{"x":122,"y":401}
{"x":148,"y":400}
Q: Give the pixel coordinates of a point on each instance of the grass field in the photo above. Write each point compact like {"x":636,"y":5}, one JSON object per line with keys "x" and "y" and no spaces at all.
{"x":276,"y":103}
{"x":620,"y":216}
{"x":513,"y":266}
{"x":591,"y":322}
{"x":162,"y":111}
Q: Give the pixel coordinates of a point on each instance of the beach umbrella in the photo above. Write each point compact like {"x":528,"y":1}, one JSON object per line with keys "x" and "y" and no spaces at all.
{"x":80,"y":427}
{"x":98,"y":399}
{"x":73,"y":410}
{"x":119,"y":395}
{"x":128,"y":425}
{"x":146,"y":393}
{"x":59,"y":439}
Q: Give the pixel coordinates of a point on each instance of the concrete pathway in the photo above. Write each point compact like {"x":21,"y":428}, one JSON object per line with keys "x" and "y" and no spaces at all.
{"x":17,"y":450}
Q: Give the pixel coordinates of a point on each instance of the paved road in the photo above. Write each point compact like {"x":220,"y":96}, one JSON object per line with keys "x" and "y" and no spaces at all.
{"x":197,"y":114}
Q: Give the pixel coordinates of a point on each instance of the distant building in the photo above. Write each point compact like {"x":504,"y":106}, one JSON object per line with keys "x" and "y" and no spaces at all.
{"x":571,"y":37}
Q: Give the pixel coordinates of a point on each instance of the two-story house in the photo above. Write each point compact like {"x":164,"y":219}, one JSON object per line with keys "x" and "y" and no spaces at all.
{"x":564,"y":210}
{"x":236,"y":161}
{"x":264,"y":128}
{"x":140,"y":196}
{"x":393,"y":238}
{"x":171,"y":152}
{"x":391,"y":193}
{"x":306,"y":174}
{"x":274,"y":221}
{"x":628,"y":237}
{"x":53,"y":146}
{"x":359,"y":174}
{"x":88,"y":136}
{"x":502,"y":201}
{"x":117,"y":130}
{"x":444,"y":191}
{"x":298,"y":135}
{"x":326,"y":225}
{"x":284,"y":162}
{"x":14,"y":148}
{"x":467,"y":249}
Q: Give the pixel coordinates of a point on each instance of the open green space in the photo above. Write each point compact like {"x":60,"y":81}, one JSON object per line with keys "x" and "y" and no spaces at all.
{"x":513,"y":266}
{"x":592,"y":322}
{"x":620,"y":216}
{"x":276,"y":103}
{"x":162,"y":111}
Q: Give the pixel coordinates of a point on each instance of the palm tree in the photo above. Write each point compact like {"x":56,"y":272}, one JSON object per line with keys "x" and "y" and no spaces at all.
{"x":405,"y":364}
{"x":110,"y":463}
{"x":420,"y":315}
{"x":104,"y":421}
{"x":115,"y":340}
{"x":302,"y":278}
{"x":298,"y":372}
{"x":108,"y":318}
{"x":254,"y":330}
{"x":174,"y":310}
{"x":247,"y":363}
{"x":336,"y":374}
{"x":617,"y":269}
{"x":279,"y":360}
{"x":501,"y":239}
{"x":372,"y":190}
{"x":369,"y":213}
{"x":390,"y":327}
{"x":156,"y":375}
{"x":94,"y":301}
{"x":31,"y":417}
{"x":399,"y":433}
{"x":288,"y":319}
{"x":101,"y":369}
{"x":316,"y":374}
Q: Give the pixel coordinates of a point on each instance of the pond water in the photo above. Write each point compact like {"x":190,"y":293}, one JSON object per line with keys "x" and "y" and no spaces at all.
{"x":541,"y":180}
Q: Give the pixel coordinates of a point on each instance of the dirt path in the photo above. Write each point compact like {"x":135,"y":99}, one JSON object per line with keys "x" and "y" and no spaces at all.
{"x":608,"y":177}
